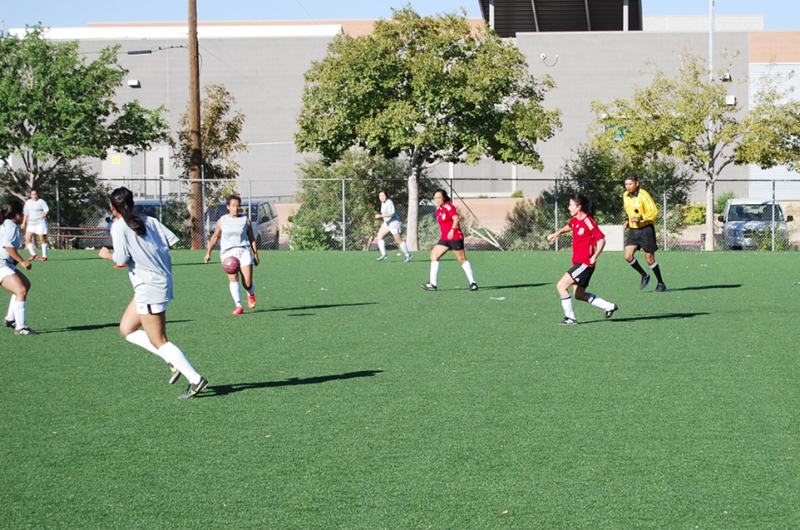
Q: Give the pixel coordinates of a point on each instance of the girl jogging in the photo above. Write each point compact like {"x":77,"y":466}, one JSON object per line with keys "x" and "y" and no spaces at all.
{"x":142,"y":243}
{"x":11,"y":279}
{"x":391,"y":224}
{"x":452,"y":239}
{"x":235,"y":234}
{"x":587,"y":244}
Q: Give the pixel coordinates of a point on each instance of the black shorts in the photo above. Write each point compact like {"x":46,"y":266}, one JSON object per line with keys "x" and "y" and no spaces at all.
{"x":456,"y":244}
{"x":581,"y":273}
{"x":642,"y":238}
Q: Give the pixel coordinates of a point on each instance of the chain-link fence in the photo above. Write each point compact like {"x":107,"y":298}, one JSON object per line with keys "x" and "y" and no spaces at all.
{"x":749,"y":214}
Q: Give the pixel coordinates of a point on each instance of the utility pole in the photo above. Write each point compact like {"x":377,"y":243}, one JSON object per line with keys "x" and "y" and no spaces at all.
{"x":195,"y":171}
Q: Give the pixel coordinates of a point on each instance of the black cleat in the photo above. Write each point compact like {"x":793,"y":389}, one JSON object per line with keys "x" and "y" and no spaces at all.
{"x":611,"y":311}
{"x":193,"y":390}
{"x":428,"y":286}
{"x":174,"y":374}
{"x":25,"y":331}
{"x":9,"y":323}
{"x":568,"y":322}
{"x":473,"y":287}
{"x":660,"y":288}
{"x":645,"y":281}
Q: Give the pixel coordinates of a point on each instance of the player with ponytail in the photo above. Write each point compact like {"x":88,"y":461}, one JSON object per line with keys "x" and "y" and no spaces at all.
{"x":11,"y":279}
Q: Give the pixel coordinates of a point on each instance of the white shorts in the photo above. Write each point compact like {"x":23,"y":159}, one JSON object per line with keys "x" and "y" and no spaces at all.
{"x":150,"y":309}
{"x":243,"y":254}
{"x":395,"y":227}
{"x":37,"y":228}
{"x":5,"y":270}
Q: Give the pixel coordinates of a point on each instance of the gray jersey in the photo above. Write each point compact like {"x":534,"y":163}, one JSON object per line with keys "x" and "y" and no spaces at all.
{"x":35,"y":210}
{"x":387,"y":208}
{"x":234,"y":232}
{"x":9,"y":237}
{"x":148,"y":259}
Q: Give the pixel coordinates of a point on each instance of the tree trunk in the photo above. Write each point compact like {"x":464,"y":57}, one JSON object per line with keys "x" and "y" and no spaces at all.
{"x":709,"y":214}
{"x":412,"y":228}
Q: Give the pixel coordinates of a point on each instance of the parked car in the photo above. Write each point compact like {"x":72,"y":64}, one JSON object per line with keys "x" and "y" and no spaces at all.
{"x":263,"y":217}
{"x":745,"y":219}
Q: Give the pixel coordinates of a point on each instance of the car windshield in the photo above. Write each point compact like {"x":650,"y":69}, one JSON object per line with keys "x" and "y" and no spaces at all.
{"x":222,"y":209}
{"x":754,"y":212}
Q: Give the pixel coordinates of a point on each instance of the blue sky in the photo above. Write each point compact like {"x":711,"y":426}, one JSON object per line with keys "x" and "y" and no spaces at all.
{"x":778,"y":14}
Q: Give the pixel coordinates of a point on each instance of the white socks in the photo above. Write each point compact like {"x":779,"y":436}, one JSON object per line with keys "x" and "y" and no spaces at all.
{"x":434,"y":271}
{"x":19,"y":313}
{"x":404,"y":248}
{"x":31,"y":249}
{"x":382,"y":247}
{"x":10,"y":314}
{"x":169,"y":352}
{"x":44,"y":250}
{"x":252,"y":288}
{"x":599,"y":302}
{"x":235,"y":293}
{"x":468,"y":270}
{"x":566,"y":303}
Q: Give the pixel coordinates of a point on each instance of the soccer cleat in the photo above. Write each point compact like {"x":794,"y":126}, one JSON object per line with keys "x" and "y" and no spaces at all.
{"x":428,"y":286}
{"x":611,"y":311}
{"x":238,"y":311}
{"x":473,"y":287}
{"x":32,"y":257}
{"x":120,"y":266}
{"x":43,"y":258}
{"x":25,"y":331}
{"x":193,"y":390}
{"x":568,"y":322}
{"x":251,"y":301}
{"x":660,"y":288}
{"x":645,"y":281}
{"x":174,"y":374}
{"x":9,"y":323}
{"x":408,"y":258}
{"x":383,"y":257}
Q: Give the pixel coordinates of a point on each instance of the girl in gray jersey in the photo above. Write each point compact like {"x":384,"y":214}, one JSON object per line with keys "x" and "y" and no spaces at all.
{"x":235,"y":235}
{"x":142,"y":243}
{"x":391,"y":224}
{"x":11,"y":279}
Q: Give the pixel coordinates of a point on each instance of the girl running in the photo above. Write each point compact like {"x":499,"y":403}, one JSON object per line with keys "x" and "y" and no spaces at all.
{"x":587,"y":244}
{"x":235,"y":234}
{"x":452,"y":239}
{"x":11,"y":279}
{"x":142,"y":243}
{"x":34,"y":222}
{"x":391,"y":224}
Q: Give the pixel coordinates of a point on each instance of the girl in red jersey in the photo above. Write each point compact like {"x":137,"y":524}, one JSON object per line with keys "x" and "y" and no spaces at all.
{"x":587,"y":244}
{"x":452,"y":239}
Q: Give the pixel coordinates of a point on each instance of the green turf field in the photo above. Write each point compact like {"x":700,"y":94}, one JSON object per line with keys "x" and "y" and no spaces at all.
{"x":352,"y":399}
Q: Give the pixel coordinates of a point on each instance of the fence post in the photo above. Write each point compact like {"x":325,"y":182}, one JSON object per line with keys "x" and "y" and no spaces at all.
{"x":556,"y":213}
{"x":665,"y":215}
{"x":773,"y":216}
{"x":58,"y":205}
{"x":344,"y":218}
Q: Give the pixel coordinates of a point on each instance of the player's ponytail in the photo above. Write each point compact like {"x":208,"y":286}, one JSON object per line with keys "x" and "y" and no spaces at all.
{"x":10,"y":211}
{"x":586,"y":205}
{"x":122,"y":201}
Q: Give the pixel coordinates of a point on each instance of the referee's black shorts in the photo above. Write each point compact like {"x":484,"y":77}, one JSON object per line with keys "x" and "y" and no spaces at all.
{"x":642,"y":238}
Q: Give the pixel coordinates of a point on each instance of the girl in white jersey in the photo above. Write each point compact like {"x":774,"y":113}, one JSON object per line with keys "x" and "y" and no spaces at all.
{"x":11,"y":279}
{"x":235,"y":234}
{"x":142,"y":243}
{"x":34,"y":222}
{"x":391,"y":224}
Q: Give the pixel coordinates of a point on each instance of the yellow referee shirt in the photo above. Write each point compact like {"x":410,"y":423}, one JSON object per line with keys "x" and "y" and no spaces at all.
{"x":639,"y":204}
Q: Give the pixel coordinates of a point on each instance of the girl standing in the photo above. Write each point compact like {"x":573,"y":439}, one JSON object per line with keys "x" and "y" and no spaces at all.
{"x":11,"y":279}
{"x":391,"y":224}
{"x":34,"y":222}
{"x":587,"y":244}
{"x":237,"y":240}
{"x":452,"y":239}
{"x":142,"y":243}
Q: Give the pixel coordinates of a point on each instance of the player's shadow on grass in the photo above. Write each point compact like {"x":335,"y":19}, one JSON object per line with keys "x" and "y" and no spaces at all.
{"x":656,"y":317}
{"x":517,"y":286}
{"x":704,"y":287}
{"x":224,"y":390}
{"x":92,"y":327}
{"x":307,"y":307}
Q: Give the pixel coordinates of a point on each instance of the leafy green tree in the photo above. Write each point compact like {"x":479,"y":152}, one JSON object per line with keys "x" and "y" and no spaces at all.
{"x":688,"y":117}
{"x":220,"y":129}
{"x":55,"y":108}
{"x":318,"y":224}
{"x":429,"y":89}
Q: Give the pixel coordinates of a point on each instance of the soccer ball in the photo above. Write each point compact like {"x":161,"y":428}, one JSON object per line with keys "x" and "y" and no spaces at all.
{"x":230,"y":265}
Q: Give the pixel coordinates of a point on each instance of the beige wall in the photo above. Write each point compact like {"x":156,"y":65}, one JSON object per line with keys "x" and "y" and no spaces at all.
{"x":775,"y":46}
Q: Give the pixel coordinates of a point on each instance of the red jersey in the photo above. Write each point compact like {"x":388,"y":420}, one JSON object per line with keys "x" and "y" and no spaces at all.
{"x":585,"y":235}
{"x":444,"y":215}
